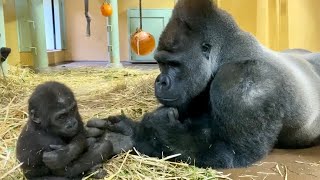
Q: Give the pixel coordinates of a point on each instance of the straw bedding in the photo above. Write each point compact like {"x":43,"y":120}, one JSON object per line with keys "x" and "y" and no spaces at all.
{"x":100,"y":92}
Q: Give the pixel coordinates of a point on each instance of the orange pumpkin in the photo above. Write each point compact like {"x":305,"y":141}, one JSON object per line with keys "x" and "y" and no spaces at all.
{"x":142,"y":43}
{"x":106,"y":9}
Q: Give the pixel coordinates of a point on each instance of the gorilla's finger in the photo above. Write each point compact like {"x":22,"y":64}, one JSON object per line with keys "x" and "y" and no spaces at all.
{"x":97,"y":123}
{"x":176,"y":113}
{"x":96,"y":167}
{"x":91,"y":141}
{"x":173,"y":115}
{"x":98,"y":172}
{"x":94,"y":132}
{"x":114,"y":119}
{"x":114,"y":127}
{"x":55,"y":147}
{"x":120,"y":127}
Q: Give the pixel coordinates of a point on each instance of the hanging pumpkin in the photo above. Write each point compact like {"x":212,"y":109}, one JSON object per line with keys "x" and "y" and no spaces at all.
{"x":106,"y":9}
{"x":142,"y":43}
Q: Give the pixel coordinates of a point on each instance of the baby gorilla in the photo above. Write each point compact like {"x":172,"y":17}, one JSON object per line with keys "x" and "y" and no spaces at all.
{"x":53,"y":143}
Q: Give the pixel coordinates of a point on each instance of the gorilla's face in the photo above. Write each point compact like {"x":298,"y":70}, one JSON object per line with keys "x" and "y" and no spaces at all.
{"x":187,"y":60}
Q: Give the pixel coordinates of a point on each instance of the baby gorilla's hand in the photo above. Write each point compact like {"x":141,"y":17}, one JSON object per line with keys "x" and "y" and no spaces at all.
{"x":55,"y":159}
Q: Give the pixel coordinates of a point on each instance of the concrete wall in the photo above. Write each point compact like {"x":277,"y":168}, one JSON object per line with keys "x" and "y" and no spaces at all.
{"x":279,"y":24}
{"x":297,"y":25}
{"x":244,"y":12}
{"x":16,"y":57}
{"x":80,"y":47}
{"x":11,"y":31}
{"x":123,"y":24}
{"x":304,"y":24}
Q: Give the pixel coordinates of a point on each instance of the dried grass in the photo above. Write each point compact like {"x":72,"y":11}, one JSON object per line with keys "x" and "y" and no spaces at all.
{"x":100,"y":92}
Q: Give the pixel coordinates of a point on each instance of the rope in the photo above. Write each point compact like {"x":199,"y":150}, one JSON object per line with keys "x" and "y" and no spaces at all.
{"x":86,"y":10}
{"x":140,"y":11}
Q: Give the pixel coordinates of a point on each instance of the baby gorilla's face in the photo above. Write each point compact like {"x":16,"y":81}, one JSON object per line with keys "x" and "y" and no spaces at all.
{"x":65,"y":122}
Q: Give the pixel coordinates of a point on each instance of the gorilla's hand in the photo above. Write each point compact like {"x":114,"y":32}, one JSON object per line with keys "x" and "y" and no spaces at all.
{"x":160,"y":133}
{"x":171,"y":115}
{"x":164,"y":118}
{"x":116,"y":129}
{"x":118,"y":124}
{"x":120,"y":131}
{"x":57,"y":158}
{"x":96,"y":127}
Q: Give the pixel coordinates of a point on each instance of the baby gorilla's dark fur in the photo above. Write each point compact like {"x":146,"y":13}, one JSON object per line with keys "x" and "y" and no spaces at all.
{"x":53,"y":143}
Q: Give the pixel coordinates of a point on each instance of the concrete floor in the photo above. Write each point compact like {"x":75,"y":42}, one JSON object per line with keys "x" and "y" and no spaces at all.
{"x":283,"y":164}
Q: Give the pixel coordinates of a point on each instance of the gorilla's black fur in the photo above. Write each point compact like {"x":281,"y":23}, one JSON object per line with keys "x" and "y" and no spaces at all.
{"x":53,"y":144}
{"x":235,"y":98}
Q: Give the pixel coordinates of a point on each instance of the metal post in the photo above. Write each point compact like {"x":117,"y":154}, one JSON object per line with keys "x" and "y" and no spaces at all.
{"x":2,"y":41}
{"x":39,"y":46}
{"x":113,"y":26}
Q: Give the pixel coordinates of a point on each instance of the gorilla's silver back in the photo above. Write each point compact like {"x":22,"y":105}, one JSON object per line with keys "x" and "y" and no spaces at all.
{"x":300,"y":70}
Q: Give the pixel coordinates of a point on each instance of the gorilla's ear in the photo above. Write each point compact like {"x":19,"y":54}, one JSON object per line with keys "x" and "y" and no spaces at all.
{"x":34,"y":117}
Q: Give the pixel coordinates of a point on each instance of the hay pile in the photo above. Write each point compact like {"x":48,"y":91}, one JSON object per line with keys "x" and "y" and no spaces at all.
{"x":99,"y":92}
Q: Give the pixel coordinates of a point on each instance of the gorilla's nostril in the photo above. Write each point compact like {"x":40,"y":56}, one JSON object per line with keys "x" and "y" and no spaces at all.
{"x":165,"y":82}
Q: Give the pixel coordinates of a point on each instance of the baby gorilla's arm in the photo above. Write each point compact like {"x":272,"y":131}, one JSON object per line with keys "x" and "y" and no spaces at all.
{"x":96,"y":154}
{"x":61,"y":156}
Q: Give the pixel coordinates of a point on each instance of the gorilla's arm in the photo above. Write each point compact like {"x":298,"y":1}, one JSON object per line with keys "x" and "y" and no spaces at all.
{"x":61,"y":156}
{"x":248,"y":112}
{"x":159,"y":134}
{"x":76,"y":146}
{"x":96,"y":154}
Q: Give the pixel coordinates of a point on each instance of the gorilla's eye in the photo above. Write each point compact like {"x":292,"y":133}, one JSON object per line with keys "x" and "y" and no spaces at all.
{"x":62,"y":116}
{"x":205,"y":47}
{"x":173,"y":63}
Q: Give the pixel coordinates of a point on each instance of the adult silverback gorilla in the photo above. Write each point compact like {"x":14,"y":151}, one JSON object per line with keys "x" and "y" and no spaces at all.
{"x":228,"y":100}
